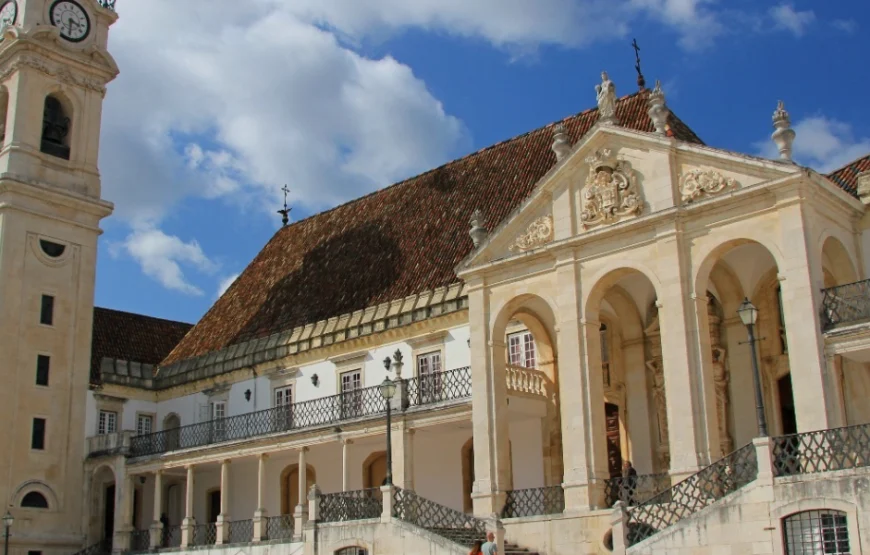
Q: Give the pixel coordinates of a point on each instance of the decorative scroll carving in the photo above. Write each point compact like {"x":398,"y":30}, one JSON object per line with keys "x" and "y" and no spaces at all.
{"x":540,"y":232}
{"x":656,"y":374}
{"x":698,"y":183}
{"x":720,"y":377}
{"x":60,"y":73}
{"x":611,"y":190}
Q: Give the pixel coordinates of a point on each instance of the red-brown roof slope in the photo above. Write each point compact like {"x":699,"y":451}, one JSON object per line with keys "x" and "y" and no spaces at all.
{"x":847,"y":176}
{"x":395,"y":242}
{"x":132,"y":337}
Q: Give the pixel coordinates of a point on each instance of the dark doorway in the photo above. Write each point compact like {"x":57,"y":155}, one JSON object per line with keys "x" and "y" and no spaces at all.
{"x":109,"y":516}
{"x":214,"y":505}
{"x":614,"y":447}
{"x":786,"y":405}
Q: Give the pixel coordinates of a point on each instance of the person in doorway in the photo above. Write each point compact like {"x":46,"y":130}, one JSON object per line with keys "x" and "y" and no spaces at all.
{"x":490,"y":547}
{"x":628,"y":487}
{"x":164,"y":520}
{"x":475,"y":549}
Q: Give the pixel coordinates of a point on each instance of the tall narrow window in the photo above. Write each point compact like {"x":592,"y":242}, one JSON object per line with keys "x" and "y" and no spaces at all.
{"x":55,"y":129}
{"x":283,"y":407}
{"x":823,"y":532}
{"x":43,"y":363}
{"x":218,"y":414}
{"x":605,"y":354}
{"x":107,"y":423}
{"x":522,"y":349}
{"x":144,"y":424}
{"x":351,"y":396}
{"x":46,"y":310}
{"x":429,"y":372}
{"x":37,"y":435}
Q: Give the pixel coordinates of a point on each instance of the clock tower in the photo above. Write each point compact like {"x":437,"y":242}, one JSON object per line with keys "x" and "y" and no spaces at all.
{"x":54,"y":68}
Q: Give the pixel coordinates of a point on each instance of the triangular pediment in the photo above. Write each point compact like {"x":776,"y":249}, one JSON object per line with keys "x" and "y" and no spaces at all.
{"x":613,"y":175}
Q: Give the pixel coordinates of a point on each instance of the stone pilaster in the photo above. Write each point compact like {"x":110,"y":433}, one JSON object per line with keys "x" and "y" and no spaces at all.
{"x":189,"y":522}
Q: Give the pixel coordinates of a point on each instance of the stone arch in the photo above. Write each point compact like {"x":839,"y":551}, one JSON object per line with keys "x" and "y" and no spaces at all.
{"x":374,"y":470}
{"x":609,"y":276}
{"x":838,"y":265}
{"x":102,"y":502}
{"x":28,"y":491}
{"x":171,"y":425}
{"x":712,"y":255}
{"x":58,"y":120}
{"x":338,"y":545}
{"x":290,"y":496}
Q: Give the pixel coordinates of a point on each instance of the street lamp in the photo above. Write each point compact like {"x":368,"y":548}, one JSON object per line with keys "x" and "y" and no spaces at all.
{"x":388,"y":389}
{"x":8,"y":519}
{"x":748,"y":315}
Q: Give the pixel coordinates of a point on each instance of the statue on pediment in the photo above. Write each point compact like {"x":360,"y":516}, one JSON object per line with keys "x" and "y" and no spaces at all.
{"x":606,"y":95}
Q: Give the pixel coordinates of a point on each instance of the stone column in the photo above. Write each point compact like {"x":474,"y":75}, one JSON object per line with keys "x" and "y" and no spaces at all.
{"x":387,"y":505}
{"x":581,"y":392}
{"x":300,"y":517}
{"x":157,"y":524}
{"x":345,"y":469}
{"x":492,"y":471}
{"x":260,"y":514}
{"x":403,"y":456}
{"x":223,"y":519}
{"x":710,"y":446}
{"x":802,"y":280}
{"x":189,"y":522}
{"x":836,"y":390}
{"x":637,"y":407}
{"x":124,"y":509}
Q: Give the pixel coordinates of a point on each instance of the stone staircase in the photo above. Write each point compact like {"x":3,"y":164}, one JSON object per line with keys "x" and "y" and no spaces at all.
{"x":514,"y":549}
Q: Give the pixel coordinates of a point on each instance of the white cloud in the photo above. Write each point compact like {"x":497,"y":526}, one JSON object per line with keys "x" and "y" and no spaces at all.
{"x":822,"y":143}
{"x":847,"y":26}
{"x":787,"y":18}
{"x":162,"y":256}
{"x":225,"y":284}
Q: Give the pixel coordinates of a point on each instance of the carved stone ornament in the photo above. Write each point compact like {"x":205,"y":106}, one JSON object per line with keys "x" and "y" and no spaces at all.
{"x":611,"y":190}
{"x":540,"y":232}
{"x":698,"y":183}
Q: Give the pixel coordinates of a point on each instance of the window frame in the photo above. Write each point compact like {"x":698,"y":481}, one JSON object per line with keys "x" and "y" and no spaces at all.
{"x":811,"y":523}
{"x":150,"y":416}
{"x":351,"y":399}
{"x":103,"y":426}
{"x":44,"y":436}
{"x":39,"y":358}
{"x":34,"y":507}
{"x":525,"y":338}
{"x":42,"y":309}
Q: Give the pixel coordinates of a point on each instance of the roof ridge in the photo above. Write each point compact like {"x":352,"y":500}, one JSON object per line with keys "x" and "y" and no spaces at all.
{"x":848,"y":164}
{"x":142,"y":315}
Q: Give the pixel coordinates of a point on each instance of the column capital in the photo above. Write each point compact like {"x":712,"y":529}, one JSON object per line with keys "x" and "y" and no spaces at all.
{"x":263,"y":456}
{"x":226,"y":461}
{"x":303,"y":449}
{"x":345,"y":441}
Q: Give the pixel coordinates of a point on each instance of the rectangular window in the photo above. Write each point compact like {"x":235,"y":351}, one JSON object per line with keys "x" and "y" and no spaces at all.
{"x":351,"y":397}
{"x":34,"y":553}
{"x":43,"y":362}
{"x":429,"y":372}
{"x":284,"y":396}
{"x":521,"y":349}
{"x":37,"y":436}
{"x":46,"y":311}
{"x":218,"y":413}
{"x":144,"y":424}
{"x":108,"y":422}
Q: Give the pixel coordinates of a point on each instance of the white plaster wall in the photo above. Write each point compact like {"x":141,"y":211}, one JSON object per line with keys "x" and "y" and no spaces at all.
{"x":438,"y":464}
{"x":527,"y":459}
{"x":187,"y":409}
{"x":131,"y":408}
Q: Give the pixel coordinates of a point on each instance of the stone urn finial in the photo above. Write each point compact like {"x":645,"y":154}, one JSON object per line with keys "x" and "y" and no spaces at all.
{"x":658,"y":109}
{"x":561,"y":142}
{"x":783,"y":135}
{"x":477,"y":232}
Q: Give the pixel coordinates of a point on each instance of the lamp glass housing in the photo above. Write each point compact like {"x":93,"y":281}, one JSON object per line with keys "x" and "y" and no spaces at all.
{"x":748,"y":313}
{"x":8,"y":519}
{"x":387,"y":388}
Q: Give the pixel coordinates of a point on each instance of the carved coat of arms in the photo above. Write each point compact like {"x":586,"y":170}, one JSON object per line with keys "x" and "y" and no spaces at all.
{"x":611,"y":191}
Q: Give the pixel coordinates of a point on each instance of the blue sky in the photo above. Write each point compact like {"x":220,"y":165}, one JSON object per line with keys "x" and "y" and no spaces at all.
{"x":337,"y":98}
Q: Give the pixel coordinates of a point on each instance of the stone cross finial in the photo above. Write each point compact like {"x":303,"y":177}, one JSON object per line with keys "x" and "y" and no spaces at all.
{"x":478,"y":232}
{"x":561,"y":143}
{"x":783,"y":135}
{"x":606,"y":96}
{"x":658,"y":110}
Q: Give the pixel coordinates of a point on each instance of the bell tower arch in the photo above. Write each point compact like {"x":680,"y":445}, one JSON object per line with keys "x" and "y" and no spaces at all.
{"x":54,"y":68}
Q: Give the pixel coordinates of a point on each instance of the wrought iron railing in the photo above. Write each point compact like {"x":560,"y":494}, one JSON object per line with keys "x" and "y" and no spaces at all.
{"x":846,"y":304}
{"x":102,"y":547}
{"x":686,"y":498}
{"x":351,"y":505}
{"x":366,"y":402}
{"x":534,"y":501}
{"x":279,"y":527}
{"x":140,"y":541}
{"x":634,"y":490}
{"x":240,"y":531}
{"x":822,"y":451}
{"x":172,"y":536}
{"x":439,"y":386}
{"x":446,"y":522}
{"x":205,"y":534}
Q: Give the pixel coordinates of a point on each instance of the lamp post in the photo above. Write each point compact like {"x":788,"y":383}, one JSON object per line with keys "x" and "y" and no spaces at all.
{"x":748,"y":315}
{"x":7,"y":524}
{"x":388,"y":389}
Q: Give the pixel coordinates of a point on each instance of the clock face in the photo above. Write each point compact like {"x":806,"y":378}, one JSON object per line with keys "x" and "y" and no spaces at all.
{"x":8,"y":13}
{"x":71,"y":19}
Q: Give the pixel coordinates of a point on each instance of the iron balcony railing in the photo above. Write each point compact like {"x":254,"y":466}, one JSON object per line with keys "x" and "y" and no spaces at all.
{"x":534,"y":501}
{"x":205,"y":534}
{"x":686,"y":498}
{"x":362,"y":403}
{"x":240,"y":531}
{"x":634,"y":490}
{"x":846,"y":304}
{"x":279,"y":527}
{"x":351,"y":505}
{"x":140,"y":541}
{"x":446,"y":522}
{"x":102,"y":547}
{"x":822,"y":451}
{"x":171,"y":536}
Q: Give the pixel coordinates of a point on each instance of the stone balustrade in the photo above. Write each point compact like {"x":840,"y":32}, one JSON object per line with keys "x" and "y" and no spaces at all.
{"x":526,"y":380}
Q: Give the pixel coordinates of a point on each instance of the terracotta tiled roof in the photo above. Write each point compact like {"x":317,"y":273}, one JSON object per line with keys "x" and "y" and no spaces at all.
{"x":132,"y":337}
{"x":392,"y":243}
{"x":847,"y":176}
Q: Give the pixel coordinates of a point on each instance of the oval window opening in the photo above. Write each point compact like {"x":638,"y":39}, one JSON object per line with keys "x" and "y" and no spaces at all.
{"x":52,"y":249}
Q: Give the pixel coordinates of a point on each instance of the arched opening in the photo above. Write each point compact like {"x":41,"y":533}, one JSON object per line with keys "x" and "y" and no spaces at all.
{"x":353,"y":550}
{"x":4,"y":113}
{"x":56,"y":127}
{"x":34,"y":500}
{"x":174,"y":504}
{"x":622,"y":306}
{"x":102,"y":502}
{"x":170,"y":425}
{"x":820,"y":531}
{"x":527,"y":361}
{"x":375,"y":470}
{"x":290,"y":494}
{"x":467,"y":474}
{"x":837,"y":264}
